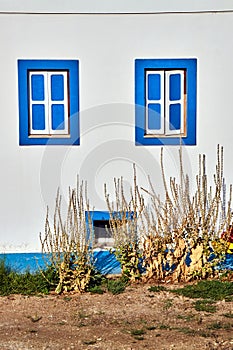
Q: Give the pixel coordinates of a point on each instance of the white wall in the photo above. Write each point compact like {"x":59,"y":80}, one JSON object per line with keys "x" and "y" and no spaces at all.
{"x":106,"y":47}
{"x":113,"y":6}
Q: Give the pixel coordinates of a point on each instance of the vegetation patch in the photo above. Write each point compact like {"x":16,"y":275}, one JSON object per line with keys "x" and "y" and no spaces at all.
{"x":164,"y":326}
{"x":205,"y":305}
{"x":219,"y":325}
{"x":96,"y":290}
{"x":210,"y":289}
{"x":187,"y":318}
{"x":138,"y":333}
{"x":117,"y":286}
{"x":186,"y":330}
{"x":157,"y":289}
{"x":89,"y":342}
{"x":228,"y":314}
{"x":26,"y":283}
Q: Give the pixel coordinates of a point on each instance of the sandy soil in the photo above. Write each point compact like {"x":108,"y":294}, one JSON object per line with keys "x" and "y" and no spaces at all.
{"x":134,"y":320}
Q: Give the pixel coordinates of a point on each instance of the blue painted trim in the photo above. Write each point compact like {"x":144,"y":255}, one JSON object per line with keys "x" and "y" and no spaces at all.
{"x":72,"y":66}
{"x":99,"y":215}
{"x":95,"y":215}
{"x":105,"y":261}
{"x":190,"y":64}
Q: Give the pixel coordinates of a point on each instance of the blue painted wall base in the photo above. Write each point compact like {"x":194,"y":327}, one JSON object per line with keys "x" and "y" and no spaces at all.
{"x":105,"y":262}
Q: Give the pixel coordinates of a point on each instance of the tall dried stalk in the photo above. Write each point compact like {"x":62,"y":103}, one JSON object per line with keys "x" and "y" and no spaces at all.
{"x":124,"y":217}
{"x":186,"y":226}
{"x":67,"y":242}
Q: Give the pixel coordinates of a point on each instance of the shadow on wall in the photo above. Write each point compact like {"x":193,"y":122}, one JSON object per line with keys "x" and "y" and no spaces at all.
{"x":106,"y":263}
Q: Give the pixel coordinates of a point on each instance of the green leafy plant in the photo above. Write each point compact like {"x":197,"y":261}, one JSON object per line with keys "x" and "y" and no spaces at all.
{"x":205,"y":305}
{"x":215,"y":325}
{"x":89,"y":342}
{"x":210,"y":289}
{"x":186,"y":330}
{"x":137,"y":332}
{"x":151,"y":328}
{"x":167,"y":304}
{"x":96,"y":290}
{"x":157,"y":289}
{"x":26,"y":283}
{"x":164,"y":326}
{"x":117,"y":286}
{"x":187,"y":318}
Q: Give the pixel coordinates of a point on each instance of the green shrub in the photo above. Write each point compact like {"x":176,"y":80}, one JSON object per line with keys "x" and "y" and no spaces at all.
{"x":96,"y":290}
{"x":117,"y":286}
{"x":156,"y":289}
{"x":214,"y":290}
{"x":26,"y":283}
{"x":205,"y":305}
{"x":137,"y":332}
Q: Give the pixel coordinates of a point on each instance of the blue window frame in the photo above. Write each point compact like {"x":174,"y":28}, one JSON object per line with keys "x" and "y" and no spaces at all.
{"x":48,"y":102}
{"x":100,"y":225}
{"x":165,"y":98}
{"x":100,"y":222}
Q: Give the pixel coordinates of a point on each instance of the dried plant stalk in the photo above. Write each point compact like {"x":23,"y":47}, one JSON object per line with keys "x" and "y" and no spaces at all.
{"x":124,"y":219}
{"x":183,"y":232}
{"x":67,"y":243}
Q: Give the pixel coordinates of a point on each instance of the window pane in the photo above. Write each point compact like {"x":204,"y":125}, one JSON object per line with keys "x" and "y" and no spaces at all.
{"x":38,"y":117}
{"x":175,"y":116}
{"x":37,"y":84}
{"x":154,"y":116}
{"x":175,"y":87}
{"x":102,"y":234}
{"x":154,"y":86}
{"x":57,"y":87}
{"x":58,"y":117}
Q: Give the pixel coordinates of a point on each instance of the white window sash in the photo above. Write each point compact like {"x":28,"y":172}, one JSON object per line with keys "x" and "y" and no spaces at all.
{"x":168,"y":103}
{"x":43,"y":103}
{"x":159,"y":101}
{"x":165,"y":103}
{"x":47,"y":103}
{"x":63,"y":102}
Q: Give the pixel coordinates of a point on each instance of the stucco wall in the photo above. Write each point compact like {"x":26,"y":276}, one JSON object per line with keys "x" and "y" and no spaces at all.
{"x":106,"y":47}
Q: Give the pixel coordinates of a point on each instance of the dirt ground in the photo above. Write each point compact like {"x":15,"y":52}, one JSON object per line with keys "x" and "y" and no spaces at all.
{"x":134,"y":320}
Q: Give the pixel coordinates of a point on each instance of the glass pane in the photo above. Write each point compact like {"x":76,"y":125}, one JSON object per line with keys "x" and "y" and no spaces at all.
{"x":58,"y":117}
{"x":154,"y":116}
{"x":175,"y":87}
{"x":102,"y":233}
{"x":175,"y":116}
{"x":57,"y":87}
{"x":154,"y":86}
{"x":38,"y":117}
{"x":37,"y":86}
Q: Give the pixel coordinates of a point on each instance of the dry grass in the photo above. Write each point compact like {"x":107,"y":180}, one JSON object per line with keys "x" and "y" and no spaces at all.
{"x":178,"y":237}
{"x":69,"y":242}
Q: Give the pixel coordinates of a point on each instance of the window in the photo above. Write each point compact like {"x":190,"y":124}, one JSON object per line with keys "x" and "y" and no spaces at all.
{"x":101,"y":229}
{"x":165,"y":97}
{"x":48,"y":102}
{"x":100,"y":222}
{"x":102,"y":235}
{"x":105,"y":261}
